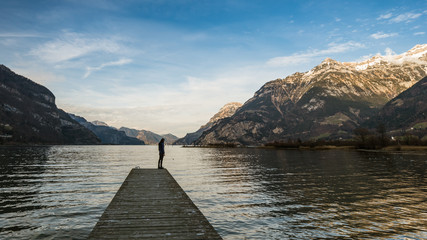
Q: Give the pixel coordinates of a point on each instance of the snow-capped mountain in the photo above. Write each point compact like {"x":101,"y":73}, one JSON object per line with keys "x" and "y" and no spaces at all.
{"x":328,"y":101}
{"x":417,"y":54}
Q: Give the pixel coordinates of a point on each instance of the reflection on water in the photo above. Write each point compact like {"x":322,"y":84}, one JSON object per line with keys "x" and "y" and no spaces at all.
{"x":61,"y":191}
{"x":20,"y":182}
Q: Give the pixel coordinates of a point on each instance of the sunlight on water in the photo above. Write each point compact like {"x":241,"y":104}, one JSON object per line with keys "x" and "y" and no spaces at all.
{"x":61,"y":191}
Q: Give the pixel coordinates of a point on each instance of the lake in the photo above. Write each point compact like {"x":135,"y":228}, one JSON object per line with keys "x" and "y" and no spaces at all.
{"x":52,"y":192}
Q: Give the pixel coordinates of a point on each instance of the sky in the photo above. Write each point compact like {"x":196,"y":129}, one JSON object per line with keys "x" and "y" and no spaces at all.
{"x":169,"y":65}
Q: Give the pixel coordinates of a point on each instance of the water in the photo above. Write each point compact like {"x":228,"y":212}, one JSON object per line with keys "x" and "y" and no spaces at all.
{"x":59,"y":192}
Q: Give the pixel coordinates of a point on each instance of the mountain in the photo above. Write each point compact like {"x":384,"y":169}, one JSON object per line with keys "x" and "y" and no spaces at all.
{"x":226,"y":111}
{"x":107,"y":134}
{"x":169,"y":138}
{"x":148,"y":137}
{"x":327,"y":102}
{"x":407,"y":110}
{"x":28,"y":114}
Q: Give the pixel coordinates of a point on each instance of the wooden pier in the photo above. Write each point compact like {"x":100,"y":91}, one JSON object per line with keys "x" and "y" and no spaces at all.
{"x":150,"y":204}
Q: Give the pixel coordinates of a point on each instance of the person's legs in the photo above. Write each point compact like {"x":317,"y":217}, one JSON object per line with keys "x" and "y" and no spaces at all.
{"x":160,"y":165}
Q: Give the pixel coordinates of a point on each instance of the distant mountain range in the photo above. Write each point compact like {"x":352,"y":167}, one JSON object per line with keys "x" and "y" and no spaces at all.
{"x":149,"y":137}
{"x":123,"y":135}
{"x":327,"y":102}
{"x":107,"y":134}
{"x":28,"y":114}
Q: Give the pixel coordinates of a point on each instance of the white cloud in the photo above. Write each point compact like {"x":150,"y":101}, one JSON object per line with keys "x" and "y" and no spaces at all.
{"x":90,"y":70}
{"x":419,"y":33}
{"x":380,"y":35}
{"x":389,"y":52}
{"x":73,"y":45}
{"x":385,"y":16}
{"x":307,"y":56}
{"x":405,"y":17}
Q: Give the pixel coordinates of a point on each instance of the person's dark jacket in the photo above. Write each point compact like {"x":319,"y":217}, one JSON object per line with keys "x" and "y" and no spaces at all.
{"x":161,"y":147}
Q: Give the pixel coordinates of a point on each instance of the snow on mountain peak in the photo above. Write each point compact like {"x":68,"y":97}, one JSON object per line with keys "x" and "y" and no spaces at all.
{"x":418,"y":51}
{"x":415,"y":54}
{"x":415,"y":57}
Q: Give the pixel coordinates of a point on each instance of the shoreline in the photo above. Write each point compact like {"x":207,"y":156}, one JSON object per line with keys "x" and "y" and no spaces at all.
{"x":398,"y":149}
{"x":388,"y":149}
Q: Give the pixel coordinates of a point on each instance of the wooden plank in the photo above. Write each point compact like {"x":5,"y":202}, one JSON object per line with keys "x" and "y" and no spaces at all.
{"x":150,"y":204}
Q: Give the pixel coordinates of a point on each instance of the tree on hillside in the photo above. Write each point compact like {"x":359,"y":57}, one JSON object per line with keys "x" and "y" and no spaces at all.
{"x":362,"y":136}
{"x":382,"y":134}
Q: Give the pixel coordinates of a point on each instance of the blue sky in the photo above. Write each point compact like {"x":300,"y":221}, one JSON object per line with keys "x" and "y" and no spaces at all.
{"x":168,"y":66}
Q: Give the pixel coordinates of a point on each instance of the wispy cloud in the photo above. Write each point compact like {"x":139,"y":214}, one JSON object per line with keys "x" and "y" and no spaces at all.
{"x":90,"y":70}
{"x":419,"y":33}
{"x":385,"y":16}
{"x":380,"y":35}
{"x":389,"y":52}
{"x":72,"y":45}
{"x":305,"y":57}
{"x":405,"y":17}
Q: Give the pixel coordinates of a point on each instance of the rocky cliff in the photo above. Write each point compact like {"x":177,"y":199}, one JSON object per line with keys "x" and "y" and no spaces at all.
{"x":107,"y":134}
{"x":226,"y":111}
{"x":329,"y":101}
{"x":28,"y":114}
{"x":149,"y":137}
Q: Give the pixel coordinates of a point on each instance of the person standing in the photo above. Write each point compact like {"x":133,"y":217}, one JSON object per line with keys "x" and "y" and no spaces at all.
{"x":161,"y":152}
